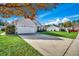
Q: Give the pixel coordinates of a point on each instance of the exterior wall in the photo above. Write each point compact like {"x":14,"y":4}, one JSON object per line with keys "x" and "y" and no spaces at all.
{"x":40,"y":27}
{"x":76,"y":28}
{"x":25,"y":26}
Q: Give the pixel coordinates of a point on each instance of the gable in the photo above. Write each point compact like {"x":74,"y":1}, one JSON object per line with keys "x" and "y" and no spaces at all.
{"x":25,"y":22}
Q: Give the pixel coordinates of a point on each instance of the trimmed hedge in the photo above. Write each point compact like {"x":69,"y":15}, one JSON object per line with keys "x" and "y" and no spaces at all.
{"x":10,"y":29}
{"x":3,"y":29}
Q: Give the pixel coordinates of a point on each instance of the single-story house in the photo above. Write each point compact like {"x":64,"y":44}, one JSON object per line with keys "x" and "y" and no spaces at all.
{"x":53,"y":28}
{"x":72,"y":29}
{"x":76,"y":28}
{"x":25,"y":25}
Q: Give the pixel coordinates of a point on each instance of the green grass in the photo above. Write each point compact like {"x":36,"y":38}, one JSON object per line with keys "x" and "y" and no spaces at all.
{"x":13,"y":45}
{"x":1,"y":31}
{"x":71,"y":35}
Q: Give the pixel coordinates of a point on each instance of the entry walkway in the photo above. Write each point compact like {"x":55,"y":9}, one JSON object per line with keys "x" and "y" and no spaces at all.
{"x":2,"y":33}
{"x":48,"y":45}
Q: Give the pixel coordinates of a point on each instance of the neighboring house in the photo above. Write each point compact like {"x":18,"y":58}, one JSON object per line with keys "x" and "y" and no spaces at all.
{"x":25,"y":26}
{"x":72,"y":29}
{"x":53,"y":28}
{"x":76,"y":28}
{"x":67,"y":29}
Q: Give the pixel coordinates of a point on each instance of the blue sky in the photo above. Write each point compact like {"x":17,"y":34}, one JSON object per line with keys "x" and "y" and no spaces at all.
{"x":68,"y":10}
{"x":65,"y":10}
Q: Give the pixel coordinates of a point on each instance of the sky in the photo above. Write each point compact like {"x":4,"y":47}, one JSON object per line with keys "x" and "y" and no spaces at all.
{"x":69,"y":11}
{"x":63,"y":12}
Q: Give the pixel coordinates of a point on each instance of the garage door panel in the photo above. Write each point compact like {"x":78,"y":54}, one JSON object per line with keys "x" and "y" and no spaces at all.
{"x":26,"y":30}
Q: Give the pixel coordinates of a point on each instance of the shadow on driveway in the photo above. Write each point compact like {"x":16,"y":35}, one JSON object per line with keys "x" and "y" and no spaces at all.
{"x":39,"y":37}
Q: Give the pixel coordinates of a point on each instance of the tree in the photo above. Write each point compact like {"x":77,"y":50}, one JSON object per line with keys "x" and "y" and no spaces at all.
{"x":78,"y":21}
{"x":19,"y":9}
{"x":75,"y":22}
{"x":61,"y":24}
{"x":2,"y":23}
{"x":67,"y":24}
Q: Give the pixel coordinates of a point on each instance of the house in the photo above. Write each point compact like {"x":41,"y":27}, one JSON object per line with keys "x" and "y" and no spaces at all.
{"x":40,"y":27}
{"x":53,"y":28}
{"x":76,"y":28}
{"x":24,"y":26}
{"x":72,"y":29}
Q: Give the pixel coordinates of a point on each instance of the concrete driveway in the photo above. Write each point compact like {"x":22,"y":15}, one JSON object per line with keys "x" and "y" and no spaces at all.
{"x":48,"y":45}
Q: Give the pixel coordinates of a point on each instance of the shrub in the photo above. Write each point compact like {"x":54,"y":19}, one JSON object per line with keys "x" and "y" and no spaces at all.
{"x":2,"y":23}
{"x":63,"y":30}
{"x":3,"y":29}
{"x":10,"y":29}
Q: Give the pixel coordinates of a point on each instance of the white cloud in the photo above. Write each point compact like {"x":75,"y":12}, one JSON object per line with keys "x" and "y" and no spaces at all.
{"x":57,"y":21}
{"x":65,"y":20}
{"x":45,"y":14}
{"x":49,"y":23}
{"x":73,"y":16}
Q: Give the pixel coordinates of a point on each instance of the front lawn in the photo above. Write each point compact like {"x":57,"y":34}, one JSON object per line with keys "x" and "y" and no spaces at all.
{"x":13,"y":45}
{"x":1,"y":31}
{"x":71,"y":35}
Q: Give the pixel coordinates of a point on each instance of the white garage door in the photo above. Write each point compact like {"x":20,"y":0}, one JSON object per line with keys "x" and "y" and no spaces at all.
{"x":26,"y":30}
